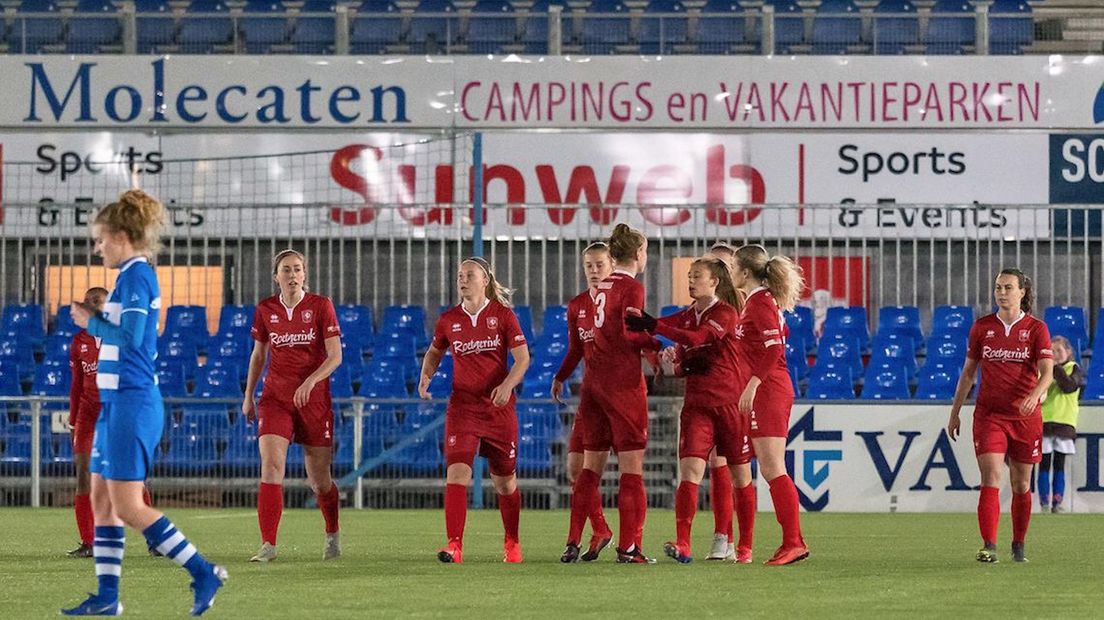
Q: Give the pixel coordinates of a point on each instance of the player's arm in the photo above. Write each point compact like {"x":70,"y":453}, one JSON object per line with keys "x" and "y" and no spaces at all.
{"x":571,"y":360}
{"x":131,"y":329}
{"x":1069,"y":383}
{"x":1045,"y":367}
{"x":501,"y":394}
{"x":76,"y":385}
{"x":703,"y":335}
{"x":765,"y":335}
{"x":324,"y":370}
{"x":634,"y":307}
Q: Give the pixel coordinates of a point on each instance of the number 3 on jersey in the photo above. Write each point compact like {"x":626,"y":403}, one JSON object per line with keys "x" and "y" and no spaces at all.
{"x":600,"y":310}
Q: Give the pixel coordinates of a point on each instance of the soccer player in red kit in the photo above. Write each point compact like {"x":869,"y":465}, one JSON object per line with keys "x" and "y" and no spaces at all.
{"x":706,"y":354}
{"x":772,"y":283}
{"x":84,"y":409}
{"x":1012,"y":349}
{"x":580,"y":338}
{"x":297,"y":332}
{"x":621,"y":397}
{"x":480,"y":417}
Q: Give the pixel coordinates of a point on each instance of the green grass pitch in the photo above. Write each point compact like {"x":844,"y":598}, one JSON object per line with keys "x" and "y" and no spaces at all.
{"x":861,"y":566}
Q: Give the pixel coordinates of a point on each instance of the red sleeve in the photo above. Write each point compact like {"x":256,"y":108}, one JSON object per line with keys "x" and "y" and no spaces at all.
{"x":76,"y":374}
{"x":259,"y":331}
{"x":512,"y":330}
{"x":973,"y":345}
{"x":764,"y":334}
{"x":708,"y":332}
{"x":440,"y":340}
{"x":327,"y":323}
{"x":634,"y":303}
{"x":574,"y":346}
{"x":1042,"y":343}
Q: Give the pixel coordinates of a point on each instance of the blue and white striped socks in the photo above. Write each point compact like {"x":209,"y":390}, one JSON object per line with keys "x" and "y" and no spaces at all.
{"x":164,"y":536}
{"x":107,"y":549}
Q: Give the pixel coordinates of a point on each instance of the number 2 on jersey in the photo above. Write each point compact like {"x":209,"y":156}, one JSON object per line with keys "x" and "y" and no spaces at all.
{"x":600,"y":310}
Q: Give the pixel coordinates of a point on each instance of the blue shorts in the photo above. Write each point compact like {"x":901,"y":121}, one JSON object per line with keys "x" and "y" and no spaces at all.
{"x":127,"y":434}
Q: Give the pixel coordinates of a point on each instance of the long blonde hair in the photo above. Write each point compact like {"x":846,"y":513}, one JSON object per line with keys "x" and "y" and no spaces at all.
{"x":139,"y":216}
{"x":726,"y":290}
{"x":495,"y":290}
{"x":778,"y":273}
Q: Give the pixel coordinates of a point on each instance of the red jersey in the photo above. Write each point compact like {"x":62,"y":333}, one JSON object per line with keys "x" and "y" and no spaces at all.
{"x":616,"y":350}
{"x":580,"y":334}
{"x":712,"y":335}
{"x":479,"y":344}
{"x":84,"y":396}
{"x":1008,"y":357}
{"x":762,"y":343}
{"x":296,"y":343}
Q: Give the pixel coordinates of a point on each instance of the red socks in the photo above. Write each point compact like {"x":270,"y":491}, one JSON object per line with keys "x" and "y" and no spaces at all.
{"x":598,"y":525}
{"x":270,"y":507}
{"x":632,"y":506}
{"x":989,"y":514}
{"x":456,"y":511}
{"x":787,"y":510}
{"x":746,"y":507}
{"x":82,"y":507}
{"x":328,"y":503}
{"x":1021,"y":516}
{"x":686,"y":504}
{"x":720,"y":493}
{"x":583,"y":497}
{"x":146,"y":497}
{"x":509,"y":506}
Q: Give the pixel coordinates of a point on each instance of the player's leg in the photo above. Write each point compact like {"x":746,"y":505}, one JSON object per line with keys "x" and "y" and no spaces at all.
{"x":599,"y":529}
{"x":1044,"y":485}
{"x":1059,"y":478}
{"x":631,"y":505}
{"x":594,"y":427}
{"x":574,"y":466}
{"x":745,"y":501}
{"x":1020,"y":476}
{"x":691,"y":473}
{"x":82,"y":500}
{"x":460,"y":451}
{"x":108,"y":545}
{"x":270,"y":494}
{"x":991,"y":466}
{"x":318,"y":460}
{"x":600,"y":535}
{"x":721,"y":498}
{"x":771,"y":452}
{"x":509,"y":507}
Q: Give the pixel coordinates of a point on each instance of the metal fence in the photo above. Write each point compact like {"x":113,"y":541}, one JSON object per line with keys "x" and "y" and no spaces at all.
{"x":759,"y":31}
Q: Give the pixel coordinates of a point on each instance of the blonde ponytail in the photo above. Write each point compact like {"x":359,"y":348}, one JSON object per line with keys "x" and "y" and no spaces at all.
{"x":139,"y":216}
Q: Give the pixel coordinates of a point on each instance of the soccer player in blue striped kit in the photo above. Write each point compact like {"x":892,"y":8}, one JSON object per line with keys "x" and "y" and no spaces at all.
{"x":127,"y":234}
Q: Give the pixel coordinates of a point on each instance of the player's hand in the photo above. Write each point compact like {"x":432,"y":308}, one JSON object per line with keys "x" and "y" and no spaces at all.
{"x":1029,"y":403}
{"x":953,"y":426}
{"x":423,"y":387}
{"x":643,"y":323}
{"x":557,"y":391}
{"x":747,"y":399}
{"x":501,"y":395}
{"x":302,"y":395}
{"x":81,"y":313}
{"x":697,"y":365}
{"x":249,"y":409}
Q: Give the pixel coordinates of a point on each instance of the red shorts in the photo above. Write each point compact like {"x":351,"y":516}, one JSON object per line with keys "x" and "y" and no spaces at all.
{"x":617,"y":420}
{"x":703,"y":428}
{"x":1020,"y":438}
{"x":497,"y":445}
{"x":770,"y":414}
{"x":83,"y":432}
{"x":586,"y":409}
{"x":311,"y":425}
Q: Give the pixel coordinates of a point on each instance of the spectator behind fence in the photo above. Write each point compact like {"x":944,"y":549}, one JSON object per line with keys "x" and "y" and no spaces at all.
{"x":1059,"y":424}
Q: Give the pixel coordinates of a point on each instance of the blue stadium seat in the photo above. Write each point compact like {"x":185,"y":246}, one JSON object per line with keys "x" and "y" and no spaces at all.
{"x":534,"y":456}
{"x":86,"y":33}
{"x":903,"y":321}
{"x":540,"y":419}
{"x":601,"y":35}
{"x":789,"y":25}
{"x":357,"y":323}
{"x":947,"y":349}
{"x":314,"y":34}
{"x":155,"y":24}
{"x":27,"y":322}
{"x":536,"y":26}
{"x":178,"y":350}
{"x":721,"y":25}
{"x":850,"y":320}
{"x":833,"y":33}
{"x":1094,"y":383}
{"x":1098,"y":335}
{"x":218,"y":382}
{"x":189,"y":453}
{"x":189,"y":323}
{"x":1068,"y":321}
{"x":57,"y":347}
{"x":663,"y":26}
{"x":1011,"y":28}
{"x":796,"y":361}
{"x":436,"y":32}
{"x":264,"y":23}
{"x":241,"y":454}
{"x":341,"y":383}
{"x":207,"y":422}
{"x":200,"y":35}
{"x":378,"y":24}
{"x":52,"y":380}
{"x":235,"y":319}
{"x":18,"y":357}
{"x":352,"y":358}
{"x":952,"y":320}
{"x":951,"y":27}
{"x":30,"y":35}
{"x":405,"y":319}
{"x":895,"y":349}
{"x":10,"y":384}
{"x":901,"y":28}
{"x":491,"y":25}
{"x":230,"y":350}
{"x":800,"y":324}
{"x":524,"y":316}
{"x":171,"y":381}
{"x":840,"y":351}
{"x":936,"y":383}
{"x":554,"y":323}
{"x":63,"y":324}
{"x":296,"y":461}
{"x":424,"y":455}
{"x":885,"y":381}
{"x":830,"y":384}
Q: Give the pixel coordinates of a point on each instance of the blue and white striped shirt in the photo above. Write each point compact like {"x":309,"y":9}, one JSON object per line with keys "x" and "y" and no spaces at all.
{"x":128,"y":353}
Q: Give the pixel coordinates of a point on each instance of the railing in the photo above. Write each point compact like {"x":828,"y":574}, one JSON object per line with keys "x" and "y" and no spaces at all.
{"x":760,"y":31}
